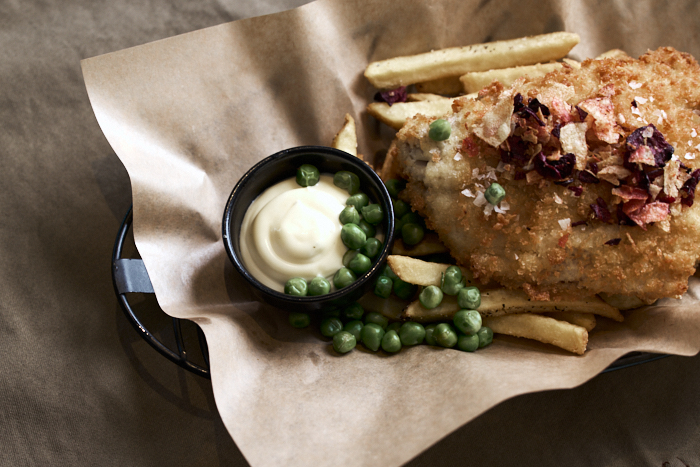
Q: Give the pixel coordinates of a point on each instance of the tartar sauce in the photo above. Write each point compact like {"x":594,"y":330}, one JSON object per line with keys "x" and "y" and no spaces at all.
{"x":292,"y":231}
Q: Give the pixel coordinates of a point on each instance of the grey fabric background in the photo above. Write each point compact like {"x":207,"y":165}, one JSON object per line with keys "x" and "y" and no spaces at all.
{"x":77,"y":384}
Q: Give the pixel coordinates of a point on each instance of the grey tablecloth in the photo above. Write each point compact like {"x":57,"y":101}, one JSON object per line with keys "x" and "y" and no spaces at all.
{"x":79,"y":387}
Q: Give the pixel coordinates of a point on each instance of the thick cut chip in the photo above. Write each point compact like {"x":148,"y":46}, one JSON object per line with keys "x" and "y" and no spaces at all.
{"x":477,"y":80}
{"x":541,"y":328}
{"x":418,"y":272}
{"x":424,"y":96}
{"x":585,"y":320}
{"x":346,"y":139}
{"x":391,"y":307}
{"x":456,"y":61}
{"x":397,"y":114}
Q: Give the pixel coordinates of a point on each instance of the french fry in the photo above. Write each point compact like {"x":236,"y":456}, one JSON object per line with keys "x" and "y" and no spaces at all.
{"x":346,"y":139}
{"x":450,"y":86}
{"x":390,"y":168}
{"x":571,"y":63}
{"x":541,"y":328}
{"x":430,"y":245}
{"x":456,"y":61}
{"x":424,"y":96}
{"x":585,"y":320}
{"x":418,"y":272}
{"x":613,"y":53}
{"x":622,"y":302}
{"x":477,"y":80}
{"x":391,"y":307}
{"x":499,"y":302}
{"x":397,"y":114}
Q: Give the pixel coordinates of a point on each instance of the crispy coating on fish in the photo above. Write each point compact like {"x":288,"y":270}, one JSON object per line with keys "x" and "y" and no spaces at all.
{"x":599,"y":168}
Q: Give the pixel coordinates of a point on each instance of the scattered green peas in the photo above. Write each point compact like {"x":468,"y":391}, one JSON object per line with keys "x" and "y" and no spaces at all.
{"x":467,"y":321}
{"x":360,"y":264}
{"x":394,"y":327}
{"x":372,"y":335}
{"x":359,"y":200}
{"x":307,"y":175}
{"x":299,"y":320}
{"x":369,"y":230}
{"x":429,"y":334}
{"x":394,"y":187}
{"x":401,"y":208}
{"x":373,"y":213}
{"x":430,"y":297}
{"x":349,"y":215}
{"x":495,"y":193}
{"x":348,"y":256}
{"x":331,"y":326}
{"x":412,"y":333}
{"x":469,"y":297}
{"x":376,"y":318}
{"x":391,"y":342}
{"x":404,"y":290}
{"x":347,"y":181}
{"x":445,"y":335}
{"x":354,"y":311}
{"x":452,"y":280}
{"x":296,"y":287}
{"x":319,"y":286}
{"x":389,"y":273}
{"x":440,"y":130}
{"x":343,"y":278}
{"x":352,"y":236}
{"x":344,"y":342}
{"x":354,"y":327}
{"x":485,"y":336}
{"x":371,"y":248}
{"x":468,"y":343}
{"x":412,"y":234}
{"x":383,"y":286}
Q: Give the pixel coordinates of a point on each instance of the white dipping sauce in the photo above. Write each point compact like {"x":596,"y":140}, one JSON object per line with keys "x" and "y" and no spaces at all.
{"x":292,"y":231}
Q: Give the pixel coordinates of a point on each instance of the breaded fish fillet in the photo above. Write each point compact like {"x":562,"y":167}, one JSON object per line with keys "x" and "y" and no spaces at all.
{"x":599,"y":169}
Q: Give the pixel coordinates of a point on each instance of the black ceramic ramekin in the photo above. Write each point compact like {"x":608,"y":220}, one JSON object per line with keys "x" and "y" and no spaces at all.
{"x":282,"y":166}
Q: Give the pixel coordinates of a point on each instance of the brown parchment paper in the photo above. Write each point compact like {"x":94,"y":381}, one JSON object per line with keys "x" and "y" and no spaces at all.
{"x":188,"y":115}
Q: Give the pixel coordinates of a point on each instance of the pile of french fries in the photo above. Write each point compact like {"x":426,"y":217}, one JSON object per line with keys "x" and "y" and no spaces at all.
{"x":439,"y":77}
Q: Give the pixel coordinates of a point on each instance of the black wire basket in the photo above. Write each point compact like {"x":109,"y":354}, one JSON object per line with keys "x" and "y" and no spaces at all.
{"x":131,"y":280}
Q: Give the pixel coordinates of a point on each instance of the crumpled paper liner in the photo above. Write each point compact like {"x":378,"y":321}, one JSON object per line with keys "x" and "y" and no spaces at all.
{"x":190,"y":114}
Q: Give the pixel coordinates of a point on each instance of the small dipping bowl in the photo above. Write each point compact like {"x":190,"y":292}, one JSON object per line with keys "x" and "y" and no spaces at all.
{"x":279,"y":167}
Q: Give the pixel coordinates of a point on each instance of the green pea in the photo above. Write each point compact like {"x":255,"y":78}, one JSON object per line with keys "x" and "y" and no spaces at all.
{"x":360,"y":264}
{"x":344,"y":342}
{"x":394,"y":186}
{"x":398,"y":225}
{"x":401,"y":208}
{"x":376,"y":318}
{"x":307,"y":175}
{"x":467,"y":321}
{"x":452,"y":280}
{"x":331,"y":326}
{"x":485,"y":336}
{"x":412,"y":234}
{"x":354,"y":327}
{"x":430,"y":297}
{"x":347,"y":181}
{"x":429,"y":334}
{"x":354,"y":311}
{"x":468,"y":343}
{"x":495,"y":193}
{"x":372,"y":335}
{"x":319,"y":286}
{"x":445,"y":335}
{"x":469,"y":297}
{"x":352,"y":236}
{"x":296,"y":287}
{"x":373,"y":213}
{"x":389,"y":273}
{"x":349,"y":215}
{"x":440,"y":130}
{"x":412,"y":333}
{"x":359,"y":200}
{"x":412,"y":218}
{"x":372,"y":247}
{"x":404,"y":290}
{"x":382,"y":288}
{"x":348,"y":256}
{"x":343,"y":278}
{"x":299,"y":320}
{"x":369,"y":230}
{"x":391,"y":342}
{"x":394,"y":327}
